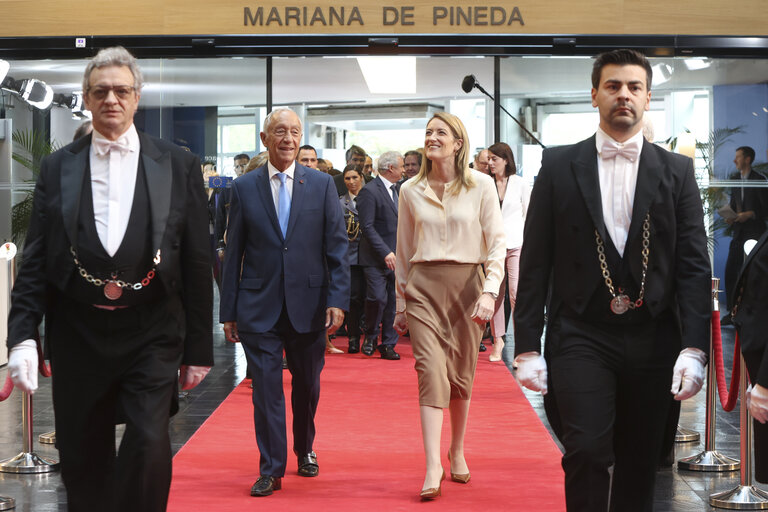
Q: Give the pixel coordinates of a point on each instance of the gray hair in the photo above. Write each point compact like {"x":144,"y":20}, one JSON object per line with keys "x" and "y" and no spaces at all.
{"x":387,"y":159}
{"x":114,"y":56}
{"x":280,"y":110}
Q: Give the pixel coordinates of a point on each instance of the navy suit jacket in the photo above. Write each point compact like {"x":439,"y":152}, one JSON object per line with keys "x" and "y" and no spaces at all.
{"x":307,"y":270}
{"x":378,"y":221}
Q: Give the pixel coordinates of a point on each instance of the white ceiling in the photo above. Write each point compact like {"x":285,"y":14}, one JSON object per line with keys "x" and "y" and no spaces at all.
{"x":239,"y":82}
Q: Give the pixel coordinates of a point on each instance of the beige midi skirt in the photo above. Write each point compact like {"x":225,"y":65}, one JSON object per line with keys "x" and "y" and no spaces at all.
{"x":439,"y":298}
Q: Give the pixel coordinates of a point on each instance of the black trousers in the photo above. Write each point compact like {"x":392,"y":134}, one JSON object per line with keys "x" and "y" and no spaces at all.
{"x":611,"y":394}
{"x":354,"y":318}
{"x":305,"y":354}
{"x":107,"y":364}
{"x":380,"y":305}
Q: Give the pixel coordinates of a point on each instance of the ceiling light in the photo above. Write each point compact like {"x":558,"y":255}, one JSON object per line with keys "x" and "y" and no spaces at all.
{"x":389,"y":75}
{"x":695,"y":64}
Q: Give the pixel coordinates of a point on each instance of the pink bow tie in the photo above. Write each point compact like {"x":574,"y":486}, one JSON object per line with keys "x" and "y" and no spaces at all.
{"x":104,"y":146}
{"x":628,"y":151}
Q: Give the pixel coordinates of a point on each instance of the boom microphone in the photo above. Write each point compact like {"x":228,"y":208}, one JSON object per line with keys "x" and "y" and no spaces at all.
{"x":468,"y":83}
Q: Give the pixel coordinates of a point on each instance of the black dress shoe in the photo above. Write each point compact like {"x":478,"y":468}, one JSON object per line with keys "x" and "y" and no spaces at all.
{"x":388,"y":352}
{"x":354,"y":346}
{"x":266,"y":485}
{"x":368,"y":348}
{"x":308,"y":465}
{"x":483,"y":348}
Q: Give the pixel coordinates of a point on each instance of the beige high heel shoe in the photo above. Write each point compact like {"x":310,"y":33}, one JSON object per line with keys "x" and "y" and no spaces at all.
{"x":330,"y":348}
{"x":462,"y":478}
{"x":432,"y":492}
{"x":498,"y":347}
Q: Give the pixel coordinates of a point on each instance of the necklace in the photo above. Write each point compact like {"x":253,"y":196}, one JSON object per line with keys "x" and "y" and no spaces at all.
{"x":621,"y":303}
{"x":113,"y":288}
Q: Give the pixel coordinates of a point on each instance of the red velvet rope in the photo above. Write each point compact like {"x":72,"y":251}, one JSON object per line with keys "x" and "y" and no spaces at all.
{"x":45,"y":370}
{"x":7,"y":388}
{"x":727,"y":400}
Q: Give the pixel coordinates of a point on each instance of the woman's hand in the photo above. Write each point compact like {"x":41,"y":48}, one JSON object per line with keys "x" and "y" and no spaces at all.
{"x":484,"y":308}
{"x":401,"y":323}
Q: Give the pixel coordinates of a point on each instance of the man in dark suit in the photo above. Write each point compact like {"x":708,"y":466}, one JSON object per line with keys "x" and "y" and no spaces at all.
{"x":117,"y":258}
{"x":354,"y":155}
{"x":377,"y":207}
{"x":615,"y":248}
{"x":750,"y":317}
{"x":286,"y":280}
{"x":751,"y":207}
{"x":222,"y":208}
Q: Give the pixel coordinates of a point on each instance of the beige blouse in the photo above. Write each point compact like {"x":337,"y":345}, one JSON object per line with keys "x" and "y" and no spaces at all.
{"x":462,"y":228}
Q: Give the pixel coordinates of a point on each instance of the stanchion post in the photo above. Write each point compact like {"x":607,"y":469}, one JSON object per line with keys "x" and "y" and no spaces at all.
{"x":8,"y":252}
{"x":744,"y":496}
{"x":710,"y":459}
{"x":27,"y":461}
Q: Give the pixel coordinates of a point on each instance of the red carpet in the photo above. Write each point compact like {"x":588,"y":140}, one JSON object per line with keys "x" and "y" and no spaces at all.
{"x":369,"y":448}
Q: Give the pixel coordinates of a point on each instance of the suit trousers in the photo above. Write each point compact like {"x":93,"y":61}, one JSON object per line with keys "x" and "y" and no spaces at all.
{"x":380,"y":305}
{"x":109,"y":363}
{"x":732,"y":268}
{"x":305,"y":354}
{"x":354,"y":319}
{"x":611,"y":390}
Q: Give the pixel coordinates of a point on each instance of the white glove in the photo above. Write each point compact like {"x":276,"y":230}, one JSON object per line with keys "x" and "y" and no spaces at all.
{"x":688,"y":373}
{"x":532,"y":371}
{"x":22,"y":364}
{"x":757,"y":403}
{"x":191,"y":376}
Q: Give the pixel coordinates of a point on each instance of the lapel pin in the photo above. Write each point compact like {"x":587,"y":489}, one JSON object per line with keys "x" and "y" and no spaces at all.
{"x":301,"y":181}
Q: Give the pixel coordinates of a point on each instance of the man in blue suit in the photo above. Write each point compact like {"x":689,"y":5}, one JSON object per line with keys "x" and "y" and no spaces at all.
{"x":377,"y":206}
{"x":285,"y":281}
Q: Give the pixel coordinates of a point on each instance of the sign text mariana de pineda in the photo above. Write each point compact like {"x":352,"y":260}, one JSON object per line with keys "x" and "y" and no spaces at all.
{"x":326,"y":16}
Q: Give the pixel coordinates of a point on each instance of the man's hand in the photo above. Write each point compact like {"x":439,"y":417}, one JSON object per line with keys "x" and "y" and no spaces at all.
{"x":688,"y":373}
{"x":758,"y":403}
{"x":389,"y":260}
{"x":22,"y":365}
{"x":230,"y":332}
{"x":191,"y":376}
{"x":744,"y":216}
{"x":401,"y":323}
{"x":334,"y":317}
{"x":484,"y":308}
{"x":532,"y":371}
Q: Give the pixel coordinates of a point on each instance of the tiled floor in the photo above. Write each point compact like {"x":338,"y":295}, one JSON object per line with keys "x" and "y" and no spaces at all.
{"x":676,"y":491}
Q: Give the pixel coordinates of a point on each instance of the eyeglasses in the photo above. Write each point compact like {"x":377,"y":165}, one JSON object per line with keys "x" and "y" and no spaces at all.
{"x":122,"y":92}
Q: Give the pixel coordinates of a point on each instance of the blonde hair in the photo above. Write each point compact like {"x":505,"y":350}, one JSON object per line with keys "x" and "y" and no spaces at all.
{"x":461,"y":158}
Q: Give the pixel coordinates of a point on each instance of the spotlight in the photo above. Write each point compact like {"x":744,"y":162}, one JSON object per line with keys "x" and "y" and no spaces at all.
{"x":37,"y":93}
{"x":72,"y":101}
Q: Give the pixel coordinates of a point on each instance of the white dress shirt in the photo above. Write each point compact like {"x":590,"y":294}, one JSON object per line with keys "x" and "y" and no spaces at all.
{"x":274,"y":182}
{"x":514,"y":209}
{"x":388,"y":185}
{"x":618,"y":180}
{"x":113,"y":180}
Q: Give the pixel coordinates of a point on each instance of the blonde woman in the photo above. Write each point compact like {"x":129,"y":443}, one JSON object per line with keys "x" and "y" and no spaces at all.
{"x":449,"y":226}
